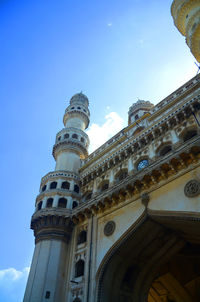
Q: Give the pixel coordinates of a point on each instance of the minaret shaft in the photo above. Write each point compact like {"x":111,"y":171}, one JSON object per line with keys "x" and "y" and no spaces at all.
{"x":59,"y":193}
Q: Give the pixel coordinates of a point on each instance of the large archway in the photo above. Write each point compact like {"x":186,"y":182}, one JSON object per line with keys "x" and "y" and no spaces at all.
{"x":154,"y":263}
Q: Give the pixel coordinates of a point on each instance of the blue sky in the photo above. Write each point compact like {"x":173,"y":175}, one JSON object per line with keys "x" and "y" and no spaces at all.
{"x":115,"y":51}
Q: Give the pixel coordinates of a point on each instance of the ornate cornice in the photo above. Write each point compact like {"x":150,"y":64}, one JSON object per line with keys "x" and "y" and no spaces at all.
{"x":59,"y":174}
{"x":52,"y":224}
{"x":60,"y":192}
{"x":155,"y":175}
{"x":70,"y":145}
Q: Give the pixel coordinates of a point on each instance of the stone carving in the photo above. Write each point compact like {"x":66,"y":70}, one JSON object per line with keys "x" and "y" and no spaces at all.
{"x":192,"y":188}
{"x":109,"y":228}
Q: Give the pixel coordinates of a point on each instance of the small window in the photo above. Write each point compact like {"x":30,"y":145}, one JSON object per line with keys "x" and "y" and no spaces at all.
{"x":66,"y":135}
{"x":65,"y":185}
{"x":49,"y":203}
{"x":165,"y":150}
{"x":142,"y":164}
{"x":47,"y":295}
{"x":79,"y":268}
{"x":136,"y":117}
{"x":82,"y":140}
{"x":39,"y":206}
{"x":82,"y":237}
{"x":75,"y":136}
{"x":74,"y":204}
{"x":76,"y":188}
{"x":53,"y":185}
{"x":62,"y":202}
{"x":79,"y":108}
{"x":72,"y":108}
{"x":44,"y":188}
{"x":59,"y":138}
{"x":189,"y":135}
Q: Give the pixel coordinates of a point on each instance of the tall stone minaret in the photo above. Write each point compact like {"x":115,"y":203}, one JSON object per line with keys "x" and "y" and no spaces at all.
{"x":59,"y":194}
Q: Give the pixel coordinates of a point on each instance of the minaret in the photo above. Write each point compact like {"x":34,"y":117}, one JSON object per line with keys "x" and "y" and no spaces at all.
{"x":186,"y":15}
{"x":59,"y":193}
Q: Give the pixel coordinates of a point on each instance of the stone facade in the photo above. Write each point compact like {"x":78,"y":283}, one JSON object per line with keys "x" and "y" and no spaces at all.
{"x":123,"y":223}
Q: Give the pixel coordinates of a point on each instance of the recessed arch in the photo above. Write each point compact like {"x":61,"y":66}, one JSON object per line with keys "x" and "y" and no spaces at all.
{"x":39,"y":206}
{"x":76,"y":188}
{"x":49,"y":203}
{"x":53,"y":185}
{"x":164,"y":149}
{"x":139,"y":257}
{"x":65,"y":185}
{"x":62,"y":202}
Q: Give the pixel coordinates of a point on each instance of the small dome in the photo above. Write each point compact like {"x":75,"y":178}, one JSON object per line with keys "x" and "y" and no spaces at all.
{"x":79,"y":98}
{"x":140,"y":104}
{"x":138,"y":109}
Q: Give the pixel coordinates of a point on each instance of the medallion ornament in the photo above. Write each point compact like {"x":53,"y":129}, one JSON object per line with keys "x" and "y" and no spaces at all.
{"x":192,"y":188}
{"x":109,"y":228}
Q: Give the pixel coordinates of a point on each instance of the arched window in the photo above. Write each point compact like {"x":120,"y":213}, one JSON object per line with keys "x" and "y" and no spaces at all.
{"x":189,"y":135}
{"x":136,"y":117}
{"x":53,"y":185}
{"x":142,"y":164}
{"x":82,"y":237}
{"x":65,"y":185}
{"x":82,"y":140}
{"x":39,"y":206}
{"x":76,"y":188}
{"x":49,"y":203}
{"x":165,"y":150}
{"x":74,"y":204}
{"x":75,"y":136}
{"x":66,"y":135}
{"x":79,"y":268}
{"x":62,"y":202}
{"x":59,"y":138}
{"x":79,"y":108}
{"x":44,"y":188}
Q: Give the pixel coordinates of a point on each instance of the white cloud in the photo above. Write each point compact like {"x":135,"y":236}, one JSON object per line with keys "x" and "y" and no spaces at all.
{"x":12,"y":274}
{"x":99,"y":134}
{"x":12,"y":284}
{"x":109,"y":24}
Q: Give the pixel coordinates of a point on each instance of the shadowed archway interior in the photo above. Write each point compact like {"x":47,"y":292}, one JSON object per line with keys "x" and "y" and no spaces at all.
{"x":155,"y":263}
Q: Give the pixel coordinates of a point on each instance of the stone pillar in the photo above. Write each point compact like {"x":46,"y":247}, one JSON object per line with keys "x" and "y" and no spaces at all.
{"x":55,"y":201}
{"x":130,"y":166}
{"x":111,"y":178}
